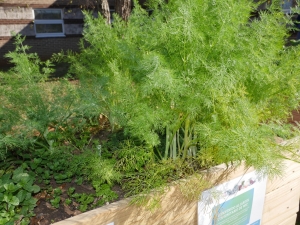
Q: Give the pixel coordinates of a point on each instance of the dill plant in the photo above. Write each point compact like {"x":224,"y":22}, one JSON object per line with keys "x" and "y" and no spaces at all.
{"x":202,"y":78}
{"x":31,"y":105}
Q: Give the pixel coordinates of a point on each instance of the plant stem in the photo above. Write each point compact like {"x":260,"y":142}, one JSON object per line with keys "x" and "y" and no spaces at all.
{"x":186,"y":139}
{"x":167,"y":142}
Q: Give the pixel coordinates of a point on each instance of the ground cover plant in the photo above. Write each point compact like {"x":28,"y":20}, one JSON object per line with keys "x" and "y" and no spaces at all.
{"x":156,"y":98}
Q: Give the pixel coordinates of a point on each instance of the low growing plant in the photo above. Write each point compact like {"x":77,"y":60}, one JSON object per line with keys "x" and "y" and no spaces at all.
{"x":70,"y":191}
{"x":16,"y":200}
{"x":55,"y":202}
{"x":103,"y":171}
{"x":68,"y":201}
{"x":132,"y":158}
{"x":105,"y":193}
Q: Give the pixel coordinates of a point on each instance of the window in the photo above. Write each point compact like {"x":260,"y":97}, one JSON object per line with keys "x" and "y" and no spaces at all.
{"x":286,"y":6}
{"x":48,"y":23}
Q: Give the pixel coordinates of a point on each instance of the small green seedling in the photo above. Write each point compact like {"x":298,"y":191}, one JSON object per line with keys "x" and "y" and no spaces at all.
{"x":68,"y":201}
{"x":55,"y":202}
{"x":70,"y":191}
{"x":57,"y":192}
{"x":79,"y":181}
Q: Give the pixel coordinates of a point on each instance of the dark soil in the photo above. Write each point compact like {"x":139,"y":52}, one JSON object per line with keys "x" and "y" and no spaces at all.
{"x":47,"y":214}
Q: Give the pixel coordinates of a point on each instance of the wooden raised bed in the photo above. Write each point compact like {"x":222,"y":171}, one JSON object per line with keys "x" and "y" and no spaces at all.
{"x":280,"y":206}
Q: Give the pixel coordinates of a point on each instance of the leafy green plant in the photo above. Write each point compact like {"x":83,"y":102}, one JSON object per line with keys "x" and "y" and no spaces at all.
{"x":68,"y":201}
{"x":35,"y":163}
{"x":16,"y":201}
{"x":83,"y":208}
{"x":55,"y":202}
{"x":84,"y":200}
{"x":104,"y":191}
{"x":57,"y":192}
{"x":195,"y":80}
{"x":79,"y":181}
{"x":70,"y":191}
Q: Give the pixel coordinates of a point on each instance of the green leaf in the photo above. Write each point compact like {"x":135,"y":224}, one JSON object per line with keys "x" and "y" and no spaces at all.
{"x":21,"y":177}
{"x":25,"y":221}
{"x":21,"y":195}
{"x":6,"y":197}
{"x":11,"y":209}
{"x":14,"y":201}
{"x":33,"y":165}
{"x":17,"y":171}
{"x":30,"y":203}
{"x":29,"y":187}
{"x":24,"y":165}
{"x":3,"y":220}
{"x":35,"y":188}
{"x":28,"y":196}
{"x":39,"y":170}
{"x":11,"y":187}
{"x":10,"y":223}
{"x":4,"y":214}
{"x":24,"y":210}
{"x":5,"y":178}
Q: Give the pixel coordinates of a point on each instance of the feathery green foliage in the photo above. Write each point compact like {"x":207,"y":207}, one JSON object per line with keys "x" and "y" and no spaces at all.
{"x":218,"y":85}
{"x":35,"y":112}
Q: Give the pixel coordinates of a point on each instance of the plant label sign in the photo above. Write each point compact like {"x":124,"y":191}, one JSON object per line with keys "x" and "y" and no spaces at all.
{"x":239,"y":201}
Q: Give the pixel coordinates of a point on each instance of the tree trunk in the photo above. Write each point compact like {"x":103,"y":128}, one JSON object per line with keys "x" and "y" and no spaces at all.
{"x":104,"y":9}
{"x":123,"y":8}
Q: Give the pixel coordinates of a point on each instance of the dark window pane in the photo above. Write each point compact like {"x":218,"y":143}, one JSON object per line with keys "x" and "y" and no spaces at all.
{"x":286,"y":4}
{"x":43,"y":14}
{"x":49,"y":28}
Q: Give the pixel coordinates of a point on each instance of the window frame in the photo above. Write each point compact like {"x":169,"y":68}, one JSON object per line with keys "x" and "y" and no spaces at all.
{"x":49,"y":21}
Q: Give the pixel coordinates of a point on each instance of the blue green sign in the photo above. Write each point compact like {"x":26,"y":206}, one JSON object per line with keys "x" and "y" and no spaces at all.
{"x":236,"y":211}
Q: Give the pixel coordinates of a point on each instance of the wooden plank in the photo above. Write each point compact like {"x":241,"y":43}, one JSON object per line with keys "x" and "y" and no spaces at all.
{"x":280,"y":195}
{"x":173,"y":208}
{"x":280,"y":217}
{"x":291,"y":172}
{"x":282,"y":210}
{"x":221,"y":173}
{"x":290,"y":221}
